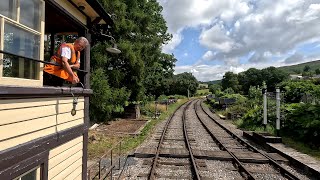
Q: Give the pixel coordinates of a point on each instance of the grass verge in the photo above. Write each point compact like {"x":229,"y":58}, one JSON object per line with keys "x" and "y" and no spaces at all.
{"x":301,"y":147}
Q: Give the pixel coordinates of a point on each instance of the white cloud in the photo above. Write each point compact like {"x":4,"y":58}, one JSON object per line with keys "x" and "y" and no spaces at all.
{"x":208,"y":55}
{"x":181,"y":14}
{"x":263,"y":31}
{"x":175,"y":41}
{"x":216,"y":38}
{"x":272,"y":27}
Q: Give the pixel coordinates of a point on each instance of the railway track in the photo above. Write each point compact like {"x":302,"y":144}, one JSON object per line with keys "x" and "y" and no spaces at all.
{"x":244,"y":147}
{"x":191,"y":163}
{"x":192,"y":144}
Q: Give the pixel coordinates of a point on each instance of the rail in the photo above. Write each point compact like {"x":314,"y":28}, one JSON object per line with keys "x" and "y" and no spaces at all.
{"x":155,"y":160}
{"x":241,"y":167}
{"x":282,"y":170}
{"x":194,"y":165}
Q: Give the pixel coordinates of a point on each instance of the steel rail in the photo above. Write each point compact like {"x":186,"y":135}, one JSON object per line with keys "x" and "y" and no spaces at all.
{"x":282,"y":170}
{"x":194,"y":165}
{"x":236,"y":161}
{"x":155,"y":160}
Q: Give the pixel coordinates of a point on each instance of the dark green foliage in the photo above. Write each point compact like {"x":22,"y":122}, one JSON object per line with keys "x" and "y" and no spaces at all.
{"x":252,"y":118}
{"x":182,"y":82}
{"x":141,"y":72}
{"x":306,"y":68}
{"x":230,"y":80}
{"x":215,"y":88}
{"x":303,"y":123}
{"x":295,"y":89}
{"x":140,"y":31}
{"x":253,"y":77}
{"x":106,"y":100}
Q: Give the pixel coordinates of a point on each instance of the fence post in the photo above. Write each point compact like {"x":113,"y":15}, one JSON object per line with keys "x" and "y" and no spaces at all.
{"x":99,"y":168}
{"x":111,"y":166}
{"x":278,"y":110}
{"x":119,"y":155}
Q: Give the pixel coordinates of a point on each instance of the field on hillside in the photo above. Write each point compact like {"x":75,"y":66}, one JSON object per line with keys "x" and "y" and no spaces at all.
{"x":297,"y":69}
{"x":203,"y":91}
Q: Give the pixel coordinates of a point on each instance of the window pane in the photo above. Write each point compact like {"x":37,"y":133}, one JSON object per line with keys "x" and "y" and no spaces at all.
{"x":30,"y":176}
{"x":20,"y":67}
{"x":21,"y":42}
{"x":9,"y":8}
{"x":30,"y":13}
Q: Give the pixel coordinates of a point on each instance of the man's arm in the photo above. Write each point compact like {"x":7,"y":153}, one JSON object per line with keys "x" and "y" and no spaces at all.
{"x":76,"y":65}
{"x":67,"y":67}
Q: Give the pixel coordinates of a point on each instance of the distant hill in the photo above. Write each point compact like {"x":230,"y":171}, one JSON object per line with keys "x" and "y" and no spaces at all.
{"x":298,"y":68}
{"x":213,"y":82}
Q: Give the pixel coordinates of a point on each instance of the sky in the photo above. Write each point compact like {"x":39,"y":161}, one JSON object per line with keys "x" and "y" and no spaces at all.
{"x":211,"y":37}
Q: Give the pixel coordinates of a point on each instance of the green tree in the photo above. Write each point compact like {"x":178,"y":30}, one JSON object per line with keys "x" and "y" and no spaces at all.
{"x":182,"y":82}
{"x":273,"y":76}
{"x":139,"y":30}
{"x":250,"y":77}
{"x":317,"y":71}
{"x":306,"y":68}
{"x":215,"y":88}
{"x":230,"y":80}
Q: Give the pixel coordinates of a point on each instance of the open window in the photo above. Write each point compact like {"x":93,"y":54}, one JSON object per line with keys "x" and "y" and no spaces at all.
{"x":31,"y":31}
{"x":20,"y":40}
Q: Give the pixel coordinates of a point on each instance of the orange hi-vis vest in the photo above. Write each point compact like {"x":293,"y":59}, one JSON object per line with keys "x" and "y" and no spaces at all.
{"x":57,"y":59}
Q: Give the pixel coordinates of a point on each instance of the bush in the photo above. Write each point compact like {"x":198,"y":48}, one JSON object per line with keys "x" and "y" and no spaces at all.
{"x":294,"y":90}
{"x":303,"y":123}
{"x":105,"y":100}
{"x":177,"y":96}
{"x":148,"y":109}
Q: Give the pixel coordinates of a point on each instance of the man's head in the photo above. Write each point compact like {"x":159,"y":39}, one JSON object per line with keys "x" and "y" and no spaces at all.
{"x":80,"y":43}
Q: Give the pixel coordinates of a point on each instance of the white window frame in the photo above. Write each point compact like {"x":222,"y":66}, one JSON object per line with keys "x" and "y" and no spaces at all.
{"x":22,"y":81}
{"x":38,"y":173}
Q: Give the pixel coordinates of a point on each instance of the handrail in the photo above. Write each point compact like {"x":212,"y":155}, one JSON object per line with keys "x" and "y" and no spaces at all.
{"x":37,"y":60}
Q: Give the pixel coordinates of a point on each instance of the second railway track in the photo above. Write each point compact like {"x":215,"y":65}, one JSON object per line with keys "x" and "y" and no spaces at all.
{"x":192,"y":144}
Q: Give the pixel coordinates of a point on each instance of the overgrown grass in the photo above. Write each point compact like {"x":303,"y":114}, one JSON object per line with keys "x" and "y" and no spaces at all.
{"x":105,"y":143}
{"x":101,"y":145}
{"x":240,"y":124}
{"x":301,"y":147}
{"x":203,"y":91}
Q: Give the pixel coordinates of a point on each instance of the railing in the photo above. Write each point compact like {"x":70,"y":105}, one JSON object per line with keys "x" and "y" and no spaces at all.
{"x":36,"y":60}
{"x":103,"y":170}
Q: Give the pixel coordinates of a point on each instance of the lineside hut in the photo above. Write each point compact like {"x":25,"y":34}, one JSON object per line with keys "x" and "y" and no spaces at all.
{"x":39,"y":138}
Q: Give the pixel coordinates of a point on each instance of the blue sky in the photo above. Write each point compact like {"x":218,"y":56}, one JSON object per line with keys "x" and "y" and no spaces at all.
{"x":211,"y":37}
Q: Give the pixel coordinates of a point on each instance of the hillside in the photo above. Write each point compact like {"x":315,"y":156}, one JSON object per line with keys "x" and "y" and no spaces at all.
{"x":298,"y":68}
{"x":213,"y":82}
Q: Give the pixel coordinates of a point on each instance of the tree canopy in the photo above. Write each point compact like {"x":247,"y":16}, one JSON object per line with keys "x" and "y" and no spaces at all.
{"x":253,"y":77}
{"x":142,"y":68}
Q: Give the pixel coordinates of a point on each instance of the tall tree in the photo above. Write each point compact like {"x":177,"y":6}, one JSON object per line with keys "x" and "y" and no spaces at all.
{"x":184,"y":82}
{"x":140,"y":30}
{"x":230,"y":80}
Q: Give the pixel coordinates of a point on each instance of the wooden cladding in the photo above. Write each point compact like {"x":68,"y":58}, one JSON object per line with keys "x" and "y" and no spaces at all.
{"x":29,"y":119}
{"x":65,"y":161}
